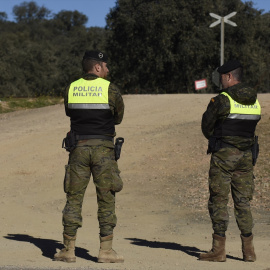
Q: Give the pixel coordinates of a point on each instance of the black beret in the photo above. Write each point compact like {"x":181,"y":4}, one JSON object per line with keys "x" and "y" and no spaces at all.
{"x":229,"y":66}
{"x":96,"y":55}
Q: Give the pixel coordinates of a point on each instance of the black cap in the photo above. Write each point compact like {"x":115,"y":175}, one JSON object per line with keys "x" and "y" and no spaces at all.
{"x":229,"y":66}
{"x":96,"y":55}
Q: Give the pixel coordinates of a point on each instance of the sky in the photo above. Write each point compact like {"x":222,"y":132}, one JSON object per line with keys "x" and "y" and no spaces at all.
{"x":95,"y":10}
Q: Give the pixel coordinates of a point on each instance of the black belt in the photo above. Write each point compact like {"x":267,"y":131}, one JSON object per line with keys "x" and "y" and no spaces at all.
{"x":88,"y":137}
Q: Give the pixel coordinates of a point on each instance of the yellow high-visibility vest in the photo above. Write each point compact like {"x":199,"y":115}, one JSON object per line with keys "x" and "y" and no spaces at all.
{"x":89,"y":94}
{"x":244,"y":112}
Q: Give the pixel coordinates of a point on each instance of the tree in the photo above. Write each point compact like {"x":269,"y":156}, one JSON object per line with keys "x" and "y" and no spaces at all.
{"x":30,"y":11}
{"x":158,"y":44}
{"x":40,"y":56}
{"x":3,"y":16}
{"x":154,"y":46}
{"x":164,"y":46}
{"x":66,"y":20}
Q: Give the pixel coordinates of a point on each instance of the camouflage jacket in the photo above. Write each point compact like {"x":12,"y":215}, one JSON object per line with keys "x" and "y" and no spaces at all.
{"x":115,"y":100}
{"x":219,"y":108}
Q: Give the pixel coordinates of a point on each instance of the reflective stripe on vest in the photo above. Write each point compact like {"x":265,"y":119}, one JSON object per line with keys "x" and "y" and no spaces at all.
{"x":89,"y":94}
{"x":243,"y":112}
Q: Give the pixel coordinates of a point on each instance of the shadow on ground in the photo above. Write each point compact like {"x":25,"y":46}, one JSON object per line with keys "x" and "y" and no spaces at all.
{"x":49,"y":246}
{"x":191,"y":251}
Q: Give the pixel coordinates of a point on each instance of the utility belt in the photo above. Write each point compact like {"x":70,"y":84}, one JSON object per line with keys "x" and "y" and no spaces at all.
{"x":215,"y":144}
{"x":71,"y":140}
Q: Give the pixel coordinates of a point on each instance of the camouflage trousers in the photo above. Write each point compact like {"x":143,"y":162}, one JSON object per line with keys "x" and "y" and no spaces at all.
{"x":231,"y":169}
{"x":94,"y":157}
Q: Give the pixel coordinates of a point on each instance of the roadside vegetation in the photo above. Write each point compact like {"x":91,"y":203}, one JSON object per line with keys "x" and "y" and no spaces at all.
{"x":154,"y":47}
{"x":15,"y":104}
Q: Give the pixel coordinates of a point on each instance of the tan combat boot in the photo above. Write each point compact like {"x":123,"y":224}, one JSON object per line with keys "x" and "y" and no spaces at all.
{"x":67,"y":254}
{"x":248,"y":249}
{"x":106,"y":253}
{"x":217,"y":253}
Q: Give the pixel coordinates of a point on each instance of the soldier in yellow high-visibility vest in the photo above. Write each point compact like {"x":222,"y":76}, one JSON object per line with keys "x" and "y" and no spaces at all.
{"x":94,"y":106}
{"x":229,"y":124}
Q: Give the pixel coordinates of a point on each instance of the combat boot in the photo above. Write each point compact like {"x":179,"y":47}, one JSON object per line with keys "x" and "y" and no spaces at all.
{"x":248,"y":249}
{"x":217,"y":253}
{"x":67,"y":254}
{"x":106,"y":253}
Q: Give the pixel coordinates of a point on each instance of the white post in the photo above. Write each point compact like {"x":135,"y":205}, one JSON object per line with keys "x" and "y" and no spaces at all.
{"x":222,"y":42}
{"x":222,"y":21}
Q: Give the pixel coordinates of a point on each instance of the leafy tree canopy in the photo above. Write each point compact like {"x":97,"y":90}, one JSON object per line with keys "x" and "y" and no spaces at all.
{"x":164,"y":46}
{"x":154,"y":46}
{"x":30,"y":11}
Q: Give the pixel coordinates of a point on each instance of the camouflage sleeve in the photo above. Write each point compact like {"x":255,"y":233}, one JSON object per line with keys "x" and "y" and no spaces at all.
{"x":116,"y":104}
{"x":218,"y":108}
{"x":66,"y":100}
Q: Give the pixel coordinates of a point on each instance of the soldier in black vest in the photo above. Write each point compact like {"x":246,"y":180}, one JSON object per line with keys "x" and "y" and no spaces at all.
{"x":94,"y":106}
{"x":229,"y":124}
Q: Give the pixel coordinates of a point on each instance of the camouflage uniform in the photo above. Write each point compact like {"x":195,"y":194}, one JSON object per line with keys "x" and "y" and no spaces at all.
{"x":230,"y":167}
{"x":96,"y":157}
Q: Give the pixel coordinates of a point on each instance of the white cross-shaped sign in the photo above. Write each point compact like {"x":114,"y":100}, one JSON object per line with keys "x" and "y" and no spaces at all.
{"x":222,"y":20}
{"x":226,"y":19}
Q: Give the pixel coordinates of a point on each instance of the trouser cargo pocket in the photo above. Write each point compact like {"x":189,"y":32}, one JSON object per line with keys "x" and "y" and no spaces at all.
{"x":117,"y":183}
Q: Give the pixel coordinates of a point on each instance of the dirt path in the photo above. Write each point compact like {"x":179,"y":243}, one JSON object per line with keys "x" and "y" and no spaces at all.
{"x":162,"y":213}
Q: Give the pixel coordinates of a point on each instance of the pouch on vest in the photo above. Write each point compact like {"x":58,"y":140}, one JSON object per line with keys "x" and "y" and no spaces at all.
{"x":69,"y":143}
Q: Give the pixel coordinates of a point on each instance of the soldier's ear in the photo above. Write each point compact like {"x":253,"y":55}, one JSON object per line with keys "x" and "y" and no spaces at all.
{"x":97,"y":67}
